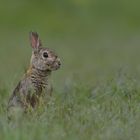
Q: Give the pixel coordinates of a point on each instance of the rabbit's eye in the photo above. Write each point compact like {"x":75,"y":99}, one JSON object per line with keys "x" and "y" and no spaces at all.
{"x":45,"y":54}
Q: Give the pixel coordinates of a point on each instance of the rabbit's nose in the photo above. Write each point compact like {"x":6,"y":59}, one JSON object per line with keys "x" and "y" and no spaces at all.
{"x":59,"y":63}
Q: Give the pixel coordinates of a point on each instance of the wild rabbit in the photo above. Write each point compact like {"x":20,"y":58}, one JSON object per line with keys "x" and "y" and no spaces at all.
{"x":35,"y":82}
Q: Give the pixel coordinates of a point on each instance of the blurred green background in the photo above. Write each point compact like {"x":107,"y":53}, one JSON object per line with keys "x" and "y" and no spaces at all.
{"x":94,"y":38}
{"x":96,"y":91}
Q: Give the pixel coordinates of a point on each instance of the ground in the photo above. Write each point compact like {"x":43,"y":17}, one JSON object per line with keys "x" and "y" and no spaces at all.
{"x":97,"y":90}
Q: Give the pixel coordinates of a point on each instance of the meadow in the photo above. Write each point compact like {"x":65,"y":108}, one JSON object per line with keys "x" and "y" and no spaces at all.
{"x":97,"y":90}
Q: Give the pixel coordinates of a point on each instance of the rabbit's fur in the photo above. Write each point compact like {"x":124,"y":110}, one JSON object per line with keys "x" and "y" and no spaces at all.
{"x":35,"y":82}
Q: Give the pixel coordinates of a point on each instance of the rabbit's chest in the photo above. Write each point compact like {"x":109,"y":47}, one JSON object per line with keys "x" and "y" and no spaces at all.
{"x":40,"y":86}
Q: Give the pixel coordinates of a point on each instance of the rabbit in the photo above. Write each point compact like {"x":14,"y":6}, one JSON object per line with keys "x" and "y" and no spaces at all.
{"x":36,"y":81}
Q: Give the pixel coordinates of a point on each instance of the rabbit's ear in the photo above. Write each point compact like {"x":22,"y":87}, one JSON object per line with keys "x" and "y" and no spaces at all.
{"x":34,"y":40}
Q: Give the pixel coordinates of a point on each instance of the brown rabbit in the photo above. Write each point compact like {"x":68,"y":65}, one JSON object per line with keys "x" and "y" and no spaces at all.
{"x":35,"y":82}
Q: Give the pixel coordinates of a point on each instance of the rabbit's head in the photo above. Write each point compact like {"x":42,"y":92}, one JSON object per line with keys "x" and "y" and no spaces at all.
{"x":42,"y":58}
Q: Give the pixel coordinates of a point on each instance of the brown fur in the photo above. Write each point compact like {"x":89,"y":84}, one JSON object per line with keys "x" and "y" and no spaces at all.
{"x":36,"y":81}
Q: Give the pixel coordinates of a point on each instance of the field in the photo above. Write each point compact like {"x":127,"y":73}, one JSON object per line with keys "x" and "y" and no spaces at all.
{"x":97,"y":90}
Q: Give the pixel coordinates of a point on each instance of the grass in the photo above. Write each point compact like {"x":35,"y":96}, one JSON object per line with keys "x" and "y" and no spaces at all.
{"x":97,"y":90}
{"x":107,"y":111}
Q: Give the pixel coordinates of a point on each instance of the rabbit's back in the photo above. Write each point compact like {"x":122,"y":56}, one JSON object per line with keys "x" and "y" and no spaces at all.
{"x":20,"y":93}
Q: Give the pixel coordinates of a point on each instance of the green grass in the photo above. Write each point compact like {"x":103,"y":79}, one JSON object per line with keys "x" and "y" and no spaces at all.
{"x":109,"y":110}
{"x":97,"y":90}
